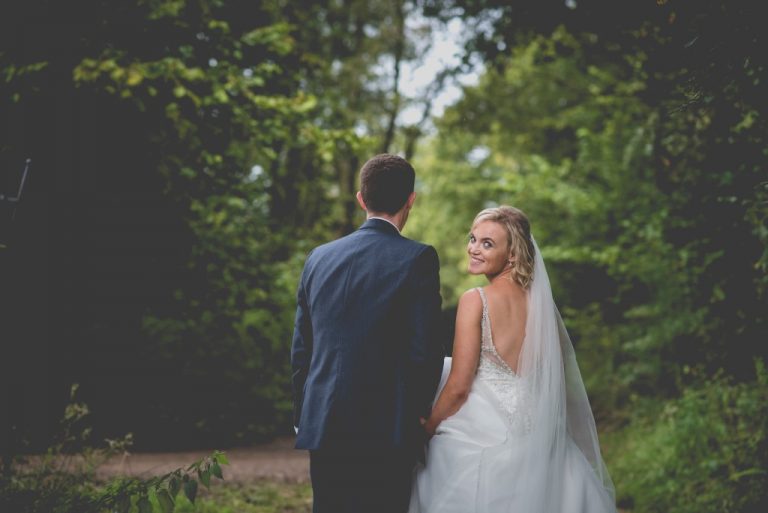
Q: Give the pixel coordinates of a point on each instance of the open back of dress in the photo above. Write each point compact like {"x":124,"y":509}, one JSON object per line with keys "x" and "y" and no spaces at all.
{"x":507,"y":387}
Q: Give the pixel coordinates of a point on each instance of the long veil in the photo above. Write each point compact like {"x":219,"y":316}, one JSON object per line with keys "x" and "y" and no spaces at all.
{"x":559,"y":408}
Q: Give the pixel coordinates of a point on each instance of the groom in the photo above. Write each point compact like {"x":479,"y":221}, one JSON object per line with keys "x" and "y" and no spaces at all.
{"x":366,"y":354}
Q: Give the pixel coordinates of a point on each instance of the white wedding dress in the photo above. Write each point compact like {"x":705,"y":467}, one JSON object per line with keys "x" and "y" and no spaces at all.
{"x":505,"y":450}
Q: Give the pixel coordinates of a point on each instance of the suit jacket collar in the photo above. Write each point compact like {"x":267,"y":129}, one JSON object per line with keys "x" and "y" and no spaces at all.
{"x":379,"y":225}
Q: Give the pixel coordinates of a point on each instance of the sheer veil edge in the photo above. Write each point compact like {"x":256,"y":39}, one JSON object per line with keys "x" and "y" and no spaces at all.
{"x":561,"y":410}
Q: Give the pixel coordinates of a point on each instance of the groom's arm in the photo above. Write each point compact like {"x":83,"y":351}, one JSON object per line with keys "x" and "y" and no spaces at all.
{"x":426,"y":347}
{"x":301,"y":350}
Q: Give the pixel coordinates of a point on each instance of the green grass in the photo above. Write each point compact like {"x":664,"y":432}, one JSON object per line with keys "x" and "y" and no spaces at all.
{"x":257,"y":497}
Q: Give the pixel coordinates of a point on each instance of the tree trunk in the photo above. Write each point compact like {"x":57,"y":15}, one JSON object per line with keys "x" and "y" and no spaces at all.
{"x":399,"y":52}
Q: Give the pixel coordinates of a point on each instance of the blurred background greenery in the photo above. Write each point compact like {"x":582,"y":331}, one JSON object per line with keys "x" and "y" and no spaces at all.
{"x":188,"y":153}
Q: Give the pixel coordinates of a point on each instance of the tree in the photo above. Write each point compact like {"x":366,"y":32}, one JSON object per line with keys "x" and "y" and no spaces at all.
{"x":174,"y":245}
{"x":193,"y":151}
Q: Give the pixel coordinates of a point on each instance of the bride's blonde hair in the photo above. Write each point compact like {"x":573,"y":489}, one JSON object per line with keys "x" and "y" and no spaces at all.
{"x":519,"y":237}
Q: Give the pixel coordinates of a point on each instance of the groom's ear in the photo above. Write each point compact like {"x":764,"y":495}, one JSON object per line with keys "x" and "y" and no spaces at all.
{"x":411,"y":199}
{"x":360,"y":201}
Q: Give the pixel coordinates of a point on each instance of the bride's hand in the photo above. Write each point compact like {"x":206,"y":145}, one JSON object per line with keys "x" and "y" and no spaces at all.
{"x":429,"y":426}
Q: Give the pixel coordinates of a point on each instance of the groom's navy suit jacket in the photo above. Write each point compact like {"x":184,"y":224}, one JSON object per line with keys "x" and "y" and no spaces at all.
{"x":366,"y":353}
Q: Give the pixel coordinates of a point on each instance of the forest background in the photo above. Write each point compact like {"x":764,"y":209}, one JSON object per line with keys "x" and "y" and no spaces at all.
{"x":187,"y":154}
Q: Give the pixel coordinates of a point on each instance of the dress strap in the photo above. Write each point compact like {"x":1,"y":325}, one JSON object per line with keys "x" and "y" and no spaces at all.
{"x":487,"y":345}
{"x":485,"y":323}
{"x":482,"y":296}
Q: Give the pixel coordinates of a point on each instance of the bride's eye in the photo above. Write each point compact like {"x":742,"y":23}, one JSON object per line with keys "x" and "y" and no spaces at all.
{"x":471,"y":238}
{"x":487,"y":245}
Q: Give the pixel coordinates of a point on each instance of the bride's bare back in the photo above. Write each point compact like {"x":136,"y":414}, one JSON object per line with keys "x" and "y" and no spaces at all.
{"x":507,"y":314}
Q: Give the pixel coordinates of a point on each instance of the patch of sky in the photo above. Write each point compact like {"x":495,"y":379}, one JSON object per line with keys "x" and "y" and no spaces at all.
{"x":477,"y":155}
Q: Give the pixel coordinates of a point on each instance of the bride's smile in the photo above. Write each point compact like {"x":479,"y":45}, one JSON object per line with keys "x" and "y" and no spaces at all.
{"x":488,"y":249}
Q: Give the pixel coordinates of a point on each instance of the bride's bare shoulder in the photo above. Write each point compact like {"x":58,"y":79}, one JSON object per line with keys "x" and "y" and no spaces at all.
{"x":506,"y":291}
{"x":470,"y":304}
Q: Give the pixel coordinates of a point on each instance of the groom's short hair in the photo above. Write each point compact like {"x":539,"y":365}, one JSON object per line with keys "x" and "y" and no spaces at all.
{"x":386,"y":181}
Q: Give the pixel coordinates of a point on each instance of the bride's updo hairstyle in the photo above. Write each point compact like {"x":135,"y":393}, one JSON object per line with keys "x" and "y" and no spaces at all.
{"x":519,"y":236}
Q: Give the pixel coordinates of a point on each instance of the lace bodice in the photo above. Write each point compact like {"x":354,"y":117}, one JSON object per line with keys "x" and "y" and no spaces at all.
{"x":507,"y":386}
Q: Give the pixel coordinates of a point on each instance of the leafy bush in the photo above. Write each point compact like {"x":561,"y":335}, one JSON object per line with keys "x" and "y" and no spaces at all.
{"x":63,"y":479}
{"x":706,"y":451}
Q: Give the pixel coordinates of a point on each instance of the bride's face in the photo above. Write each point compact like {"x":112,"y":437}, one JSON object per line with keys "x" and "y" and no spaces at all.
{"x":488,"y":248}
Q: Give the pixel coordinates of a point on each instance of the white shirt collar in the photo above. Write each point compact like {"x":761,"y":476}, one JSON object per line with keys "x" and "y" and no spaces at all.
{"x":387,"y":220}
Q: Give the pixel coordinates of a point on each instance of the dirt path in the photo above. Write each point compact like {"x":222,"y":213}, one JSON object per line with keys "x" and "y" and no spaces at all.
{"x":277,"y":461}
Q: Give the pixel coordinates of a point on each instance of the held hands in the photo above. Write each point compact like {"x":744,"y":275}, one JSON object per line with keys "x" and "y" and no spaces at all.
{"x":429,"y":425}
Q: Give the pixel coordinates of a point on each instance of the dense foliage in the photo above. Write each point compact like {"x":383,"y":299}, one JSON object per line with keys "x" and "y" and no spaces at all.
{"x":704,"y":451}
{"x":188,"y":153}
{"x":211,"y":146}
{"x":642,"y":166}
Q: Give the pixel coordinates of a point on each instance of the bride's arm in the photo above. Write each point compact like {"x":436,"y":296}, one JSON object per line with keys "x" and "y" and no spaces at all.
{"x":466,"y":351}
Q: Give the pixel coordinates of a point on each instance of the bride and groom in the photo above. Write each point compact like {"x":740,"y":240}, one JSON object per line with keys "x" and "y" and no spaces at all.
{"x":506,"y":421}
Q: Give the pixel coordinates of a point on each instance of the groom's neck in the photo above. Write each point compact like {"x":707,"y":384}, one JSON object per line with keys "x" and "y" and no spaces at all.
{"x":396,"y":219}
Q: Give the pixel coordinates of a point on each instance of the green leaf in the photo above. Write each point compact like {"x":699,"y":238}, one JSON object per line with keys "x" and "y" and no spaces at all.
{"x":174,"y":486}
{"x":190,"y":490}
{"x":143,"y":505}
{"x":165,"y":501}
{"x":220,"y":95}
{"x":205,"y":477}
{"x":221,"y":458}
{"x":216,"y":470}
{"x":134,"y":77}
{"x":123,"y":504}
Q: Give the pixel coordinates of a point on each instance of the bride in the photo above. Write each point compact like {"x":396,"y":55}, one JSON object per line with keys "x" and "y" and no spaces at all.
{"x":512,"y":427}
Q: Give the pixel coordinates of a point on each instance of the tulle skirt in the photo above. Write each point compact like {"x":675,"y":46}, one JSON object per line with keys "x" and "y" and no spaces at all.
{"x":474,"y":462}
